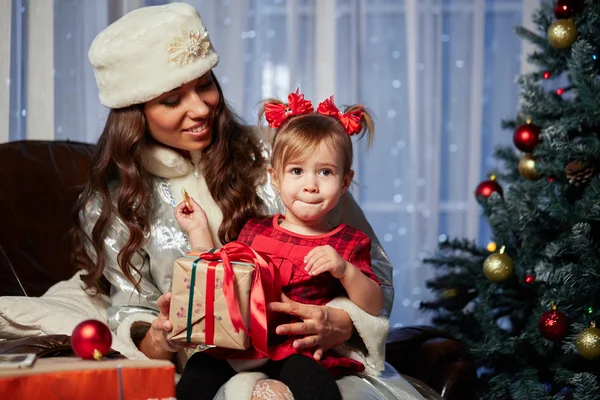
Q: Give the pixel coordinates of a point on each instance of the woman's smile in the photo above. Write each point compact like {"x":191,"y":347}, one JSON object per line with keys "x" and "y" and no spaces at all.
{"x":197,"y":130}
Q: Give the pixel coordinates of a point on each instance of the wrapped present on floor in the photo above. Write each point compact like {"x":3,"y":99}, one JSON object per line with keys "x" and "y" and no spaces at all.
{"x":219,"y":297}
{"x":73,"y":378}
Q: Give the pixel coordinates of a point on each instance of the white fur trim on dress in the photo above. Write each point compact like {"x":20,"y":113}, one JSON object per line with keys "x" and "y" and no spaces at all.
{"x":372,"y":330}
{"x":127,"y":347}
{"x":165,"y":162}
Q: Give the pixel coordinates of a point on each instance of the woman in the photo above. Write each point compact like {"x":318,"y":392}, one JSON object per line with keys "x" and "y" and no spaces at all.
{"x":169,"y":127}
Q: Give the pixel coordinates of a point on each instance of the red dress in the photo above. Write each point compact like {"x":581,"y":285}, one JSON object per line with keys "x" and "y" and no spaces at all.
{"x":287,"y":250}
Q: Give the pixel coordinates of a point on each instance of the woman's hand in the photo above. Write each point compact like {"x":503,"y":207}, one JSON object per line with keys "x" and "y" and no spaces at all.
{"x":155,"y":344}
{"x":322,"y":327}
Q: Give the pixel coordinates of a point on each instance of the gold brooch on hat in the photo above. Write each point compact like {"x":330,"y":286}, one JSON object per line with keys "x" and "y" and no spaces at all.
{"x":189,"y":47}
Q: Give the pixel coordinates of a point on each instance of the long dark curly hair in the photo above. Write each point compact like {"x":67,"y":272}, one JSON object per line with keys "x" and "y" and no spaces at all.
{"x":233,"y":168}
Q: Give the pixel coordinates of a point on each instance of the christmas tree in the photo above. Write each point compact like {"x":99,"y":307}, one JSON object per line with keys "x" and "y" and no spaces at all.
{"x":527,"y":305}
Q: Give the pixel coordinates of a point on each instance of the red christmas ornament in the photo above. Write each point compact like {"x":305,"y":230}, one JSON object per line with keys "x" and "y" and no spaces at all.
{"x":529,"y":279}
{"x":526,"y":137}
{"x":566,"y":9}
{"x":547,"y":75}
{"x":553,"y":324}
{"x":486,"y":188}
{"x":91,"y":339}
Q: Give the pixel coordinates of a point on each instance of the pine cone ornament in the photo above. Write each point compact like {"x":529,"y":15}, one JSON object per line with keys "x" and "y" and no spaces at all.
{"x":579,"y":173}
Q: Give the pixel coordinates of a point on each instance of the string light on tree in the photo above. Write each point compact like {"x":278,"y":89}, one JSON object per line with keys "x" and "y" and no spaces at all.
{"x":529,"y":279}
{"x":486,"y":188}
{"x":498,"y":267}
{"x":553,"y":324}
{"x":547,"y":75}
{"x":491,"y":247}
{"x":449,"y":293}
{"x":565,"y":9}
{"x":560,"y":91}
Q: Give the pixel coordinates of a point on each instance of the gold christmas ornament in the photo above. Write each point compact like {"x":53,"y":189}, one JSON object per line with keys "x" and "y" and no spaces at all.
{"x":588,"y":342}
{"x":498,"y":267}
{"x":527,"y":167}
{"x":562,"y":34}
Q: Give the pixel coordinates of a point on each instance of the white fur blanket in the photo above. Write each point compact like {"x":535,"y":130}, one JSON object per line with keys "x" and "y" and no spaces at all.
{"x":57,"y":312}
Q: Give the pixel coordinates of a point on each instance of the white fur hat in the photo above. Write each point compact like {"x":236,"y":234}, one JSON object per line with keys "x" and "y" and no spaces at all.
{"x":150,"y":51}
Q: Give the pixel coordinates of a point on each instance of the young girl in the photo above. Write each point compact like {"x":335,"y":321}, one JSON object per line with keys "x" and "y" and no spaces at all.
{"x":311,"y":170}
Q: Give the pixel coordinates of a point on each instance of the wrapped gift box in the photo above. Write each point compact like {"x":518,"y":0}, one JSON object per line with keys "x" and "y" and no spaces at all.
{"x":73,"y":378}
{"x":199,"y":304}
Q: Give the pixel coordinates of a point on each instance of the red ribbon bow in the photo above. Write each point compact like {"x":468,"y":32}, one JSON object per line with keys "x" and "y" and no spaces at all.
{"x":285,"y":254}
{"x":266,"y":287}
{"x":277,"y":113}
{"x":350,"y":121}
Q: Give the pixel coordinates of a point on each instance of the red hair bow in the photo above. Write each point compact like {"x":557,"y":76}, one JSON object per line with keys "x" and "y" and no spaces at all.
{"x":277,"y":113}
{"x":350,"y":121}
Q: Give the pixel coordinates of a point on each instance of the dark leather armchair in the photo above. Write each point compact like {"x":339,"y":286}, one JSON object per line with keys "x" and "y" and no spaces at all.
{"x":39,"y":183}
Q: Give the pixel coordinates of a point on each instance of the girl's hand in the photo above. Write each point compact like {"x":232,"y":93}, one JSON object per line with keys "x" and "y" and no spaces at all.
{"x":191,"y":220}
{"x":322,"y":327}
{"x":155,"y":344}
{"x":325,"y":258}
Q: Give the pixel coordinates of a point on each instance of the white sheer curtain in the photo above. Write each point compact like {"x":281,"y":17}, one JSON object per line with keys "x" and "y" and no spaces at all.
{"x":5,"y":36}
{"x":438,"y":74}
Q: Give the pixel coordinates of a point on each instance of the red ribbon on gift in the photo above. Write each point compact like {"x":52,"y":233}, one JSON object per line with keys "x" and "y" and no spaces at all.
{"x":209,"y":305}
{"x":266,"y":287}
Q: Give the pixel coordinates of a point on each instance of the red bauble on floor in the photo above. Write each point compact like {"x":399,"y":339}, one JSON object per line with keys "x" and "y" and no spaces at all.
{"x":91,"y":339}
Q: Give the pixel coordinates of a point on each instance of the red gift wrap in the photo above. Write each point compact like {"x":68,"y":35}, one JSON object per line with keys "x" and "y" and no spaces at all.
{"x":73,"y":378}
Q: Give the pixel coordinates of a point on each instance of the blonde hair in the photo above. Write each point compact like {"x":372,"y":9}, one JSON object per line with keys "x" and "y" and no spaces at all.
{"x":301,"y":135}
